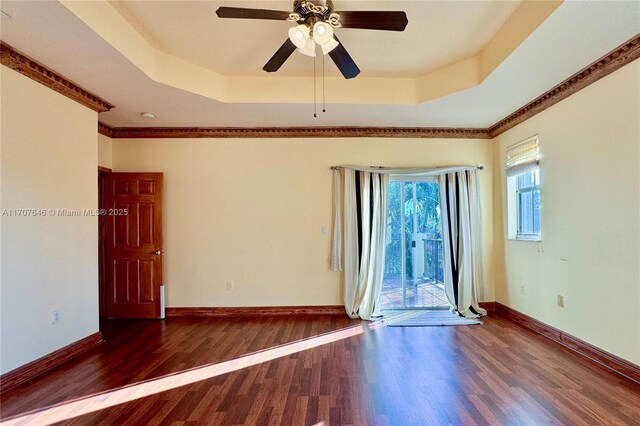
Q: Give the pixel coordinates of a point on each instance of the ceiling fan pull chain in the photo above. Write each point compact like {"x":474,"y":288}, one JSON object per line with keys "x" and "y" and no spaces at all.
{"x":323,"y":91}
{"x":315,"y":104}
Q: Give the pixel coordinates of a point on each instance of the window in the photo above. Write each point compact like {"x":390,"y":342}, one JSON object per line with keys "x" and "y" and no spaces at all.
{"x":528,"y":199}
{"x":523,"y":190}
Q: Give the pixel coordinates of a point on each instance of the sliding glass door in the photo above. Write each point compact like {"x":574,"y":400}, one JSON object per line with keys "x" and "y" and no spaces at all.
{"x":413,"y":276}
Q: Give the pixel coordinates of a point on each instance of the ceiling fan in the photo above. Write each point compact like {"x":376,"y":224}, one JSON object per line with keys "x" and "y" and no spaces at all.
{"x":316,"y":22}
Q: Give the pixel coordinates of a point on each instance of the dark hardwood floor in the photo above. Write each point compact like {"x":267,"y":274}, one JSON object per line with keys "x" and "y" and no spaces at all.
{"x":307,"y":370}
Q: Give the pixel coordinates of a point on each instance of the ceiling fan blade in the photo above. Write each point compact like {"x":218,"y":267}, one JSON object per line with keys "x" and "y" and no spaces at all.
{"x":280,"y":56}
{"x":343,"y":61}
{"x":243,"y":13}
{"x":372,"y":20}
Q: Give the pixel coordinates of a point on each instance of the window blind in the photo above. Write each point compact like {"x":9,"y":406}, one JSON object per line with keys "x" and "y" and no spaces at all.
{"x":522,"y":156}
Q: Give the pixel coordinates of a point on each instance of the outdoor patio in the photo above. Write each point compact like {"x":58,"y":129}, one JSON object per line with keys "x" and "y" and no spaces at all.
{"x":425,"y":293}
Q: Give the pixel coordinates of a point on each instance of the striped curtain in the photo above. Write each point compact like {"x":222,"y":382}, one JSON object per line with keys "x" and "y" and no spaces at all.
{"x":462,"y":240}
{"x":363,"y":201}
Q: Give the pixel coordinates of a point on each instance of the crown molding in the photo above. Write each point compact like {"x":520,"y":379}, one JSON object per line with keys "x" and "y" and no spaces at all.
{"x":105,"y":129}
{"x":290,"y":132}
{"x":33,"y":69}
{"x":612,"y":61}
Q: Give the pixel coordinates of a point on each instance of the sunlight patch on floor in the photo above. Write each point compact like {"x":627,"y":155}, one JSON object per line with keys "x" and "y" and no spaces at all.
{"x":101,"y":401}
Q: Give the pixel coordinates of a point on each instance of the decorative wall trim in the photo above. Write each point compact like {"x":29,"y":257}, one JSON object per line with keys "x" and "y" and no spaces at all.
{"x":587,"y":350}
{"x":255,"y":311}
{"x":266,"y":311}
{"x":612,"y":61}
{"x":105,"y":130}
{"x":294,"y":132}
{"x":33,"y":369}
{"x":31,"y":68}
{"x":490,"y":307}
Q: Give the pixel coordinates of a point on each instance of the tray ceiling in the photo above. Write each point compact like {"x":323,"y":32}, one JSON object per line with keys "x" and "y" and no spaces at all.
{"x":573,"y":36}
{"x":439,"y":33}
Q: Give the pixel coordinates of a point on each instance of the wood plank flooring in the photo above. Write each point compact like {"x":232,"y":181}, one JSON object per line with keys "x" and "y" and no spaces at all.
{"x":330,"y":369}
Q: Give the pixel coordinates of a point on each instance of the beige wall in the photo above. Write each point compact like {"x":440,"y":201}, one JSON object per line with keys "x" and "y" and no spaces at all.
{"x":49,"y":152}
{"x":251,"y":211}
{"x":590,"y":186}
{"x":104,"y":151}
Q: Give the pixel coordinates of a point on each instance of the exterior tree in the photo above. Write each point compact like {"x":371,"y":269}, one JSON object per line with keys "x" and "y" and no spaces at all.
{"x":426,"y":207}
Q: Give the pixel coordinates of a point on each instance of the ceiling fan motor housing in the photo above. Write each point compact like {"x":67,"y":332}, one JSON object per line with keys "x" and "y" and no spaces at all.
{"x":310,"y":12}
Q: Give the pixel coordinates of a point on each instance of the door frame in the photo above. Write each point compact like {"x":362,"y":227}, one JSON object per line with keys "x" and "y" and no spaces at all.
{"x":102,"y":243}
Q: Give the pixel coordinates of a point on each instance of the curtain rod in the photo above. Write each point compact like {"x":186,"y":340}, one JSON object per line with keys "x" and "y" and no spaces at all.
{"x":386,"y":168}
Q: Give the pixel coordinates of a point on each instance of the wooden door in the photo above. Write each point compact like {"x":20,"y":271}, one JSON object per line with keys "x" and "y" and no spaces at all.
{"x":134,"y":244}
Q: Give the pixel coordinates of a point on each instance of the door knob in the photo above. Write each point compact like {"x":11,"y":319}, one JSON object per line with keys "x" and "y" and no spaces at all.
{"x":157,"y":252}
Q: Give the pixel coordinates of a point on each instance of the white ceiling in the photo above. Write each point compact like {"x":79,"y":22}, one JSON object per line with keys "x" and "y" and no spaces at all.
{"x":575,"y":35}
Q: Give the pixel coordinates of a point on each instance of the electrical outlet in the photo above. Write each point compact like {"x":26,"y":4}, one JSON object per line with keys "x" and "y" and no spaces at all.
{"x":230,"y":285}
{"x":57,"y":316}
{"x":561,"y":301}
{"x":522,"y":289}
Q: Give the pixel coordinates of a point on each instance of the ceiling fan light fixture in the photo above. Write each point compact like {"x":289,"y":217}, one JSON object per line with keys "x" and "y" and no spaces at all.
{"x":321,"y":19}
{"x":329,"y":46}
{"x":322,"y":33}
{"x":299,"y":36}
{"x":309,"y":49}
